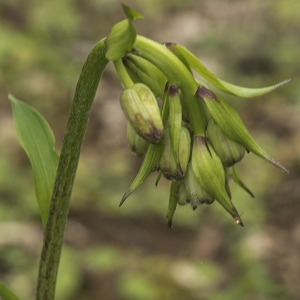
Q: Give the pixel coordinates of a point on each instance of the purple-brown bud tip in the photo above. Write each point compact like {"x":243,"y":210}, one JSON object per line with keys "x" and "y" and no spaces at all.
{"x":200,"y":140}
{"x":169,"y":44}
{"x":205,"y":93}
{"x":173,"y":90}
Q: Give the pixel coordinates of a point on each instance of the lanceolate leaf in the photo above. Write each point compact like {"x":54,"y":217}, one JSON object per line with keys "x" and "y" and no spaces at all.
{"x":6,"y":293}
{"x":37,"y":139}
{"x":222,"y":85}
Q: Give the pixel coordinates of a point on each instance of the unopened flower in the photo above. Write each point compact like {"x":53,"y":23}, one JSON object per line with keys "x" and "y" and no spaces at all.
{"x":138,"y":145}
{"x":210,"y":173}
{"x":141,"y":110}
{"x":172,"y":169}
{"x":228,"y":151}
{"x":196,"y":194}
{"x":196,"y":137}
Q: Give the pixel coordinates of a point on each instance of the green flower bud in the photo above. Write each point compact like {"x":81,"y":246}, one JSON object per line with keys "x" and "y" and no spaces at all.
{"x":168,"y":165}
{"x":146,"y":73}
{"x":142,"y":111}
{"x":231,"y":124}
{"x":184,"y":148}
{"x":229,"y":151}
{"x":210,"y":173}
{"x":196,"y":194}
{"x":182,"y":197}
{"x":175,"y":118}
{"x":172,"y":48}
{"x":137,"y":144}
{"x":222,"y":85}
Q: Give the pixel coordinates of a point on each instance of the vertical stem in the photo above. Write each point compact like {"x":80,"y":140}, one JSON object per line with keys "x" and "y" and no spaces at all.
{"x":69,"y":157}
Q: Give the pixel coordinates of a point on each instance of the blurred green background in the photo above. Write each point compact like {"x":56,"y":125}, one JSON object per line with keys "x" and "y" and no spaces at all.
{"x":129,"y":253}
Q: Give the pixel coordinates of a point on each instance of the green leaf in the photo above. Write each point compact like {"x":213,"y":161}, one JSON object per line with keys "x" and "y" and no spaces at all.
{"x":6,"y":293}
{"x":122,"y":36}
{"x":131,"y":14}
{"x":222,"y":85}
{"x":37,"y":139}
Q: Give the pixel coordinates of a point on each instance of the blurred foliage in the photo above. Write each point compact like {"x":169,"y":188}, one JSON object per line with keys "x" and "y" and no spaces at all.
{"x":128,"y":253}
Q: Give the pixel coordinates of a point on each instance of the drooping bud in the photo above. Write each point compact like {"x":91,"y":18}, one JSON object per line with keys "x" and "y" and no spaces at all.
{"x":182,"y":198}
{"x":184,"y":148}
{"x":195,"y":192}
{"x":167,"y":163}
{"x":229,"y":151}
{"x":184,"y":110}
{"x":142,"y":111}
{"x":222,"y":85}
{"x":171,"y":169}
{"x":209,"y":171}
{"x":172,"y":47}
{"x":231,"y":124}
{"x":146,"y":73}
{"x":137,"y":144}
{"x":175,"y":118}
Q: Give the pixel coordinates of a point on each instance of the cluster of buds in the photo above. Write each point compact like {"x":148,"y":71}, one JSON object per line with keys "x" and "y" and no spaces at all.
{"x":191,"y":136}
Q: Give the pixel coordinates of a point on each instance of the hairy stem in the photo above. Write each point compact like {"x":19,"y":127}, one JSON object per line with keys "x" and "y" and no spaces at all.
{"x":69,"y":157}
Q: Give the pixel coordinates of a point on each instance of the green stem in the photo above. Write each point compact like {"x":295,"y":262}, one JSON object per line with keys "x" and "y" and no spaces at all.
{"x":123,"y":75}
{"x":69,"y":157}
{"x":178,"y":74}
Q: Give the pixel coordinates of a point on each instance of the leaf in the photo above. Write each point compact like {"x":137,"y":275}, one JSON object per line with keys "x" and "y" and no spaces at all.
{"x":130,"y":13}
{"x":122,"y":36}
{"x":37,"y":139}
{"x":6,"y":293}
{"x":222,"y":85}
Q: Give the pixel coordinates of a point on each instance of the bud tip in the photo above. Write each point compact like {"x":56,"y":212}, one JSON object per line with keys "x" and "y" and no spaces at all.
{"x":173,"y":90}
{"x":238,"y":221}
{"x":124,"y":198}
{"x":203,"y":93}
{"x":169,"y":44}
